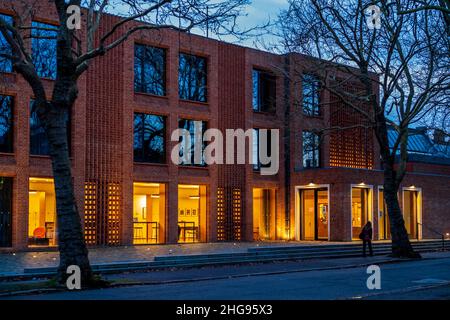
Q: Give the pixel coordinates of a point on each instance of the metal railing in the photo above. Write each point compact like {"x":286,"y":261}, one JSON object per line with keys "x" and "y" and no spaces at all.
{"x":435,"y":232}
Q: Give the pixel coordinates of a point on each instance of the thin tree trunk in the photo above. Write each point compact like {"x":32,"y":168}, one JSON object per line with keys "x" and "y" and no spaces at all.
{"x":71,"y":242}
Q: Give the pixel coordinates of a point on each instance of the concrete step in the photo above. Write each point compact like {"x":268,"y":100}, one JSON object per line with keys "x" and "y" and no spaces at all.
{"x":253,"y":256}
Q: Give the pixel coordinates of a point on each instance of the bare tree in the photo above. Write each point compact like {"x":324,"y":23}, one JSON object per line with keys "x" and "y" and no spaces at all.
{"x":73,"y":57}
{"x":403,"y":59}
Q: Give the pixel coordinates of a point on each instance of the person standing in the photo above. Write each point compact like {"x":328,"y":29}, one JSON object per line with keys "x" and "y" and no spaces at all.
{"x":366,"y":237}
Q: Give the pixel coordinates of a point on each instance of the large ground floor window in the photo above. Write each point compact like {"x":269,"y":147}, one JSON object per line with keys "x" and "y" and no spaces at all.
{"x":264,"y":214}
{"x":42,"y":212}
{"x":411,"y":212}
{"x":5,"y":212}
{"x":191,"y":213}
{"x":149,"y":213}
{"x":384,"y":227}
{"x":314,"y":211}
{"x":361,"y":209}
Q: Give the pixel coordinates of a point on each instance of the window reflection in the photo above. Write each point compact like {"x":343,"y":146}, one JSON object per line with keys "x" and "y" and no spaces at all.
{"x":311,"y":95}
{"x":6,"y":124}
{"x":44,"y":49}
{"x":196,"y":130}
{"x":5,"y":48}
{"x":192,"y":78}
{"x":311,"y":150}
{"x":149,"y":131}
{"x":149,"y":70}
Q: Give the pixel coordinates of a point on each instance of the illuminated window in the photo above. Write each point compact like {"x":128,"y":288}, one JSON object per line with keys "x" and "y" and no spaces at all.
{"x":311,"y":95}
{"x":191,"y":213}
{"x":5,"y":48}
{"x":264,"y":214}
{"x":149,"y":213}
{"x":149,"y":70}
{"x":42,"y":212}
{"x":411,"y":212}
{"x":192,"y":78}
{"x":44,"y":42}
{"x":361,"y":209}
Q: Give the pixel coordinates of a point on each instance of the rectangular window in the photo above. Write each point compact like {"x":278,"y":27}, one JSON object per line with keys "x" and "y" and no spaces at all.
{"x":264,"y":91}
{"x":5,"y":48}
{"x":6,"y":211}
{"x":192,"y":211}
{"x":257,"y":165}
{"x":44,"y":38}
{"x":192,"y":78}
{"x":42,"y":212}
{"x":6,"y":124}
{"x":311,"y":150}
{"x":311,"y":95}
{"x":149,"y":138}
{"x":38,"y":138}
{"x":149,"y":70}
{"x":196,"y":130}
{"x":149,"y":212}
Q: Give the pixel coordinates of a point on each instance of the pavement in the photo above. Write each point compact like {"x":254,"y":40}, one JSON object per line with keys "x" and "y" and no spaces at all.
{"x":428,"y":278}
{"x":15,"y":262}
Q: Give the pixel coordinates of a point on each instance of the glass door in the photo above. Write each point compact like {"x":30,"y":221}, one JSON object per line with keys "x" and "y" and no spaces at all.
{"x":384,"y":228}
{"x":315,"y":215}
{"x":410,"y":209}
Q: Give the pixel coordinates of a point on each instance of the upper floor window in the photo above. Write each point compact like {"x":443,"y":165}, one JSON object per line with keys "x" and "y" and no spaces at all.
{"x":255,"y":149}
{"x":44,"y":37}
{"x":38,"y":138}
{"x":264,"y":91}
{"x":192,"y":78}
{"x":149,"y":138}
{"x":195,"y":149}
{"x":6,"y":124}
{"x":311,"y":95}
{"x":311,"y":150}
{"x":5,"y":48}
{"x":149,"y":70}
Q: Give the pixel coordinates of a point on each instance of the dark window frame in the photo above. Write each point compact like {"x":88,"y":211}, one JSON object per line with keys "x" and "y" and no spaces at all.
{"x":142,"y":154}
{"x":192,"y":134}
{"x":8,"y":145}
{"x":6,"y":65}
{"x":258,"y":165}
{"x":264,"y":91}
{"x":311,"y":95}
{"x":42,"y":147}
{"x":6,"y":211}
{"x":186,"y":90}
{"x":156,"y":85}
{"x":46,"y":70}
{"x":315,"y":152}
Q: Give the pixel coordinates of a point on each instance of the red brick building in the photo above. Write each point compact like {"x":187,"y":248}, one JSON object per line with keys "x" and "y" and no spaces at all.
{"x":128,"y":191}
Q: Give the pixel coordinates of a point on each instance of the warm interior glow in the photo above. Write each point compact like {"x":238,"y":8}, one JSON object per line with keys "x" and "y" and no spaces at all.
{"x":264,"y":214}
{"x":315,"y":214}
{"x":149,"y":207}
{"x":361,"y":204}
{"x":191,"y":213}
{"x":41,"y":212}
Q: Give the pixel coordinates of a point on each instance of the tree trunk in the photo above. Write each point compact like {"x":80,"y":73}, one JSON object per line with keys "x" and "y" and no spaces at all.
{"x":71,"y":242}
{"x":401,"y":246}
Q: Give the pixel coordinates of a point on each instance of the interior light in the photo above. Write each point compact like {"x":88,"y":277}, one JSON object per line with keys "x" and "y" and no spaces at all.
{"x":362,"y":184}
{"x":194,"y":197}
{"x":311,"y":184}
{"x":155,"y":196}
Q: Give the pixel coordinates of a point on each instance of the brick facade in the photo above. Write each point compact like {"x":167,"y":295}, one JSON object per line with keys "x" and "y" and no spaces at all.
{"x":102,"y":147}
